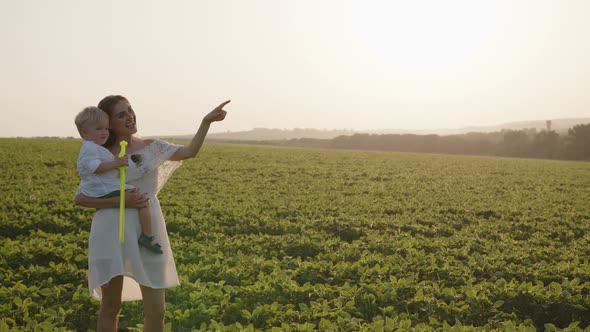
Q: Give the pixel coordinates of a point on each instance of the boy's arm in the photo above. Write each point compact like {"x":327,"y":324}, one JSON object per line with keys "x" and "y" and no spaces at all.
{"x":89,"y":161}
{"x":109,"y":166}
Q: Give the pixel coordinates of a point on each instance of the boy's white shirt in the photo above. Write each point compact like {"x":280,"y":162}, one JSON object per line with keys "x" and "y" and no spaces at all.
{"x":92,"y":184}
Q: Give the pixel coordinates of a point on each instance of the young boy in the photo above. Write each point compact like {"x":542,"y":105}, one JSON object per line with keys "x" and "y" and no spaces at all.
{"x":98,"y":168}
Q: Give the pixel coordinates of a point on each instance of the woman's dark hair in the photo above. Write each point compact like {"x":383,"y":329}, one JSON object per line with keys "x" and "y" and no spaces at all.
{"x":107,"y":104}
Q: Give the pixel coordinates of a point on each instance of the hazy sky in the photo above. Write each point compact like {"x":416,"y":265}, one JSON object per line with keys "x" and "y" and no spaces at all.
{"x":358,"y":64}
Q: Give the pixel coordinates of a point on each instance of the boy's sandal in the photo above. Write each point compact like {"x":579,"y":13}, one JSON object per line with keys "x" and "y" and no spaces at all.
{"x":146,"y":241}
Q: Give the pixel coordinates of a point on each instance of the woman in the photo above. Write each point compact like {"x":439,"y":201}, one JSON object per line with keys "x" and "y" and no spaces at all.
{"x":124,"y":272}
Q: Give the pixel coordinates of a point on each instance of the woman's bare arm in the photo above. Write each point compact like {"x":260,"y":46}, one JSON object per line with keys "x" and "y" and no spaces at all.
{"x":133,"y":199}
{"x":191,"y":150}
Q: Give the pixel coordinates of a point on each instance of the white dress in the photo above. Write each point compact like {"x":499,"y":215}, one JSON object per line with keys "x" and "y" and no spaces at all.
{"x":107,"y":258}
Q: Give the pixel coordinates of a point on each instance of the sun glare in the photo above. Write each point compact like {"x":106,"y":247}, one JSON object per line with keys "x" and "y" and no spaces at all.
{"x":425,"y":35}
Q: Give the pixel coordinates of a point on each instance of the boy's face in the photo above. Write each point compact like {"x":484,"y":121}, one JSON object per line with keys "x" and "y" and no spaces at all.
{"x":97,"y":133}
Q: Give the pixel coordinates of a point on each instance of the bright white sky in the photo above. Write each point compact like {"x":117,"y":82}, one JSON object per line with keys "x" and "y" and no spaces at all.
{"x":358,"y":64}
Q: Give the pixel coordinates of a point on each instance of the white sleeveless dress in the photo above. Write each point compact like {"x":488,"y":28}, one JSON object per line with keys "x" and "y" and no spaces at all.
{"x":107,"y":258}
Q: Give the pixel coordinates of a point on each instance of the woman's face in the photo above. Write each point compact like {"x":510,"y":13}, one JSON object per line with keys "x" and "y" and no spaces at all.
{"x":122,"y":120}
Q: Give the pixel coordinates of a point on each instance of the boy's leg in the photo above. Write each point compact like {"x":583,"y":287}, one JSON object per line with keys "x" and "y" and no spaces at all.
{"x":146,"y":238}
{"x":145,"y":220}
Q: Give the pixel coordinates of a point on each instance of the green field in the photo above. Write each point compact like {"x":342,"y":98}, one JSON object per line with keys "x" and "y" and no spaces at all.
{"x":302,"y":239}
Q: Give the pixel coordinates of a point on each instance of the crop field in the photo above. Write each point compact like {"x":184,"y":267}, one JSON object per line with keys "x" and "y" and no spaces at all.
{"x":287,"y":239}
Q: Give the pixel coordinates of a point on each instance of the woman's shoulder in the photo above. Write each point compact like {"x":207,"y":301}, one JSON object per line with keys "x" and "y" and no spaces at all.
{"x":154,"y":146}
{"x":152,"y":141}
{"x":140,"y":144}
{"x":156,"y":142}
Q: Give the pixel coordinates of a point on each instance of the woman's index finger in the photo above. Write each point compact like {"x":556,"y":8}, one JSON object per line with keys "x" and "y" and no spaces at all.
{"x":224,"y":103}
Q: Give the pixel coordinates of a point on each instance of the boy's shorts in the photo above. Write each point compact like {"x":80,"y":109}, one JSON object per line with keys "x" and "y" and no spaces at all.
{"x":115,"y":193}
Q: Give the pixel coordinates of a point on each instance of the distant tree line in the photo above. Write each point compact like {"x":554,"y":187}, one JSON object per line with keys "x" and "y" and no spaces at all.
{"x":267,"y":134}
{"x":526,"y":143}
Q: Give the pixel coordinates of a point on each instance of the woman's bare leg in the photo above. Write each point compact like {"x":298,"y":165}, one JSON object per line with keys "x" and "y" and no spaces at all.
{"x":154,"y":309}
{"x":110,"y":306}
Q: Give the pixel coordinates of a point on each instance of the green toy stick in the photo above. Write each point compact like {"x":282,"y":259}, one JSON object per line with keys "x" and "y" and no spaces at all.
{"x":122,"y":195}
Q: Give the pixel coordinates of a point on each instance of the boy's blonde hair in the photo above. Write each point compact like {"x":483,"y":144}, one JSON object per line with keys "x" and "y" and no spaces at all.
{"x":90,"y":116}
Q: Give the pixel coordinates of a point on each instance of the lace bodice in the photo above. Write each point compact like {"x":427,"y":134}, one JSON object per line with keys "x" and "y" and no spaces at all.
{"x":149,"y":168}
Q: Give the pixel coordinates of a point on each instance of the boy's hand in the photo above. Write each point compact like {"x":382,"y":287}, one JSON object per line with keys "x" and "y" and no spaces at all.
{"x":123,"y":161}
